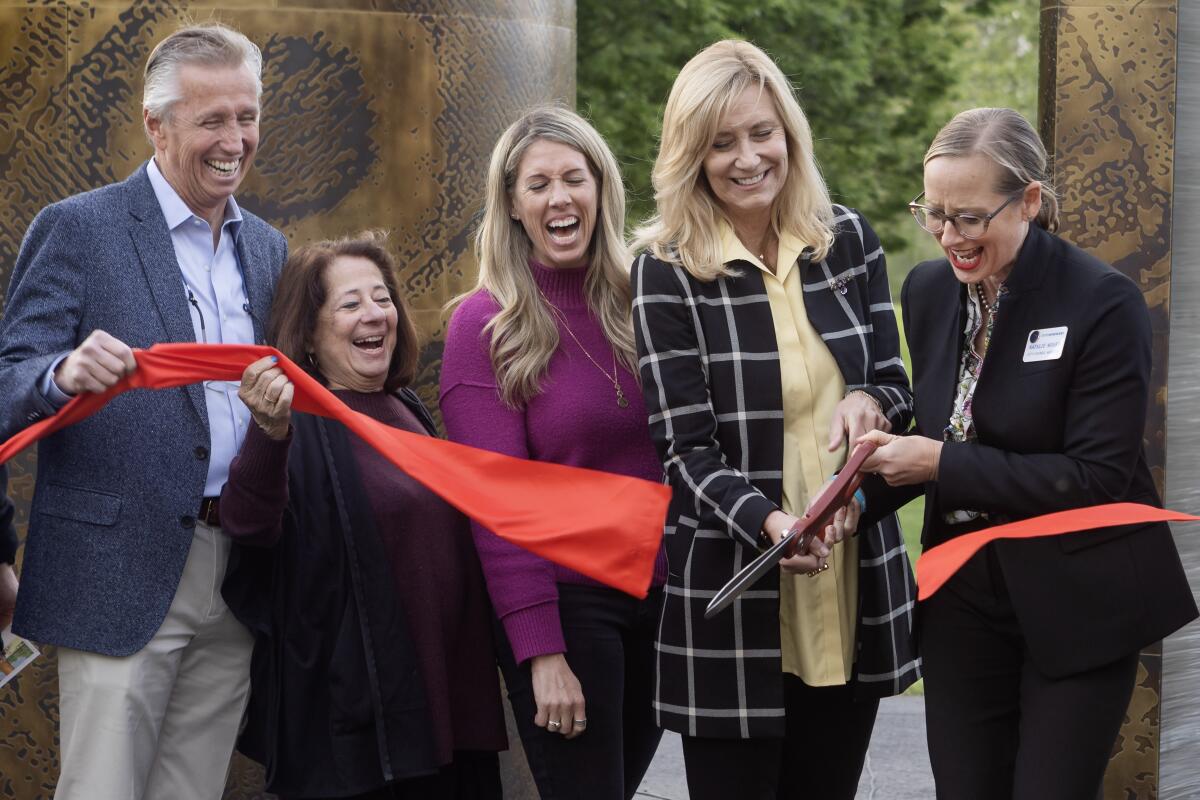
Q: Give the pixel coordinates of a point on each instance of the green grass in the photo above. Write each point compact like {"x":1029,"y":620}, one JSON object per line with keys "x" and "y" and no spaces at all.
{"x":912,"y":515}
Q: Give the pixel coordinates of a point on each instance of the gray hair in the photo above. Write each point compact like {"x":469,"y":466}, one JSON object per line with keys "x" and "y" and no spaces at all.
{"x":1011,"y":143}
{"x":212,"y":44}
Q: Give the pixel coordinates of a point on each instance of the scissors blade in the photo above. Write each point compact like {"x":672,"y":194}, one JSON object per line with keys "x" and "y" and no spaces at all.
{"x":751,"y":573}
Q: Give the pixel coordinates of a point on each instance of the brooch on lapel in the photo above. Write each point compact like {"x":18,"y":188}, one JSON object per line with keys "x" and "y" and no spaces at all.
{"x":840,"y":285}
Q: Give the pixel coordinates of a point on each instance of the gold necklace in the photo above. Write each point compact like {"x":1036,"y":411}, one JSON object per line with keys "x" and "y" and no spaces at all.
{"x":622,"y":400}
{"x":766,"y":248}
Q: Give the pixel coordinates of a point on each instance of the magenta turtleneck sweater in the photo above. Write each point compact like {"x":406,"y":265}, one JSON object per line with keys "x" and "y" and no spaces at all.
{"x":574,"y":420}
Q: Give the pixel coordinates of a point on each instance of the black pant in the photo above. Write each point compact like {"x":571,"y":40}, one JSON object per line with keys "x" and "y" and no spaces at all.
{"x":824,"y":722}
{"x":610,"y":648}
{"x":473,"y":775}
{"x":999,"y":729}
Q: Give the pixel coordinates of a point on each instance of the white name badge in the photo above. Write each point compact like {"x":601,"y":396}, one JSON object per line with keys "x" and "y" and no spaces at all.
{"x":1045,"y":344}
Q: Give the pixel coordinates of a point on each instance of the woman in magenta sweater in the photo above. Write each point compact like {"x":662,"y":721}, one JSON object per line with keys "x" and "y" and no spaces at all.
{"x":539,"y":363}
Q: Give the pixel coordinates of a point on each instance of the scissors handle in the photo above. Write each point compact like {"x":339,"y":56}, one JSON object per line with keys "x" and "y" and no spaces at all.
{"x":799,"y":544}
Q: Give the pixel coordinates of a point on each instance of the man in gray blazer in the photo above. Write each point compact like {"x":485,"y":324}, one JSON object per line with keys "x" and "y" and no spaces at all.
{"x":125,"y":557}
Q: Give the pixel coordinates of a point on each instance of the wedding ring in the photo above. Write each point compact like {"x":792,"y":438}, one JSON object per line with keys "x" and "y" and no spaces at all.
{"x":581,"y":723}
{"x":553,"y":724}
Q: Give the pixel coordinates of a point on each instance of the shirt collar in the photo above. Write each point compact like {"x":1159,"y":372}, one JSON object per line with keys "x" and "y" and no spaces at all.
{"x":176,"y":211}
{"x":732,"y":249}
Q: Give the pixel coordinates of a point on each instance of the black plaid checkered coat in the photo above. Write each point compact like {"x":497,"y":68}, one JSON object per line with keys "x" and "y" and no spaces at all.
{"x":710,"y":373}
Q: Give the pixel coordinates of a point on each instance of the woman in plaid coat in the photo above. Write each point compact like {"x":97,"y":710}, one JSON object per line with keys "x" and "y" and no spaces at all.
{"x":766,"y":341}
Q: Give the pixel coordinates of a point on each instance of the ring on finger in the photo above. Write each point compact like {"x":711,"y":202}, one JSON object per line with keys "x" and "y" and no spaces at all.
{"x":553,"y":724}
{"x":580,"y":724}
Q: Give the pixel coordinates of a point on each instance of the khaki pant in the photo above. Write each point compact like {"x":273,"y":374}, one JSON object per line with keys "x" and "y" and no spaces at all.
{"x":160,"y":724}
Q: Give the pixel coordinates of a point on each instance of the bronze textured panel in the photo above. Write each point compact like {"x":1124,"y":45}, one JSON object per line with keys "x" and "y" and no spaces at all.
{"x":1107,"y":107}
{"x":375,"y":114}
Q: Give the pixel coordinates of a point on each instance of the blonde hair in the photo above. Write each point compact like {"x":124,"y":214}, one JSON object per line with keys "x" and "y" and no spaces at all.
{"x":685,"y":229}
{"x":1011,"y":143}
{"x":523,"y":333}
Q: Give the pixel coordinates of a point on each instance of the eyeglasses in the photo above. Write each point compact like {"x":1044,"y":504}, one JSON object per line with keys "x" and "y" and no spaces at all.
{"x":969,"y":226}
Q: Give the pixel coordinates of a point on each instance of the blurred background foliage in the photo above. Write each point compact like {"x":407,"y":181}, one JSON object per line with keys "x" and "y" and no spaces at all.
{"x":877,"y":80}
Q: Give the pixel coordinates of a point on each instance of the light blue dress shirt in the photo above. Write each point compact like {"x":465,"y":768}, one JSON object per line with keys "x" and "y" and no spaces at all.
{"x":220,"y":310}
{"x":216,"y":295}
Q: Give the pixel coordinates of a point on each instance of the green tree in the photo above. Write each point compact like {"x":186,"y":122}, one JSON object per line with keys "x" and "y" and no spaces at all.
{"x":996,"y":65}
{"x":871,"y":78}
{"x":876,"y":79}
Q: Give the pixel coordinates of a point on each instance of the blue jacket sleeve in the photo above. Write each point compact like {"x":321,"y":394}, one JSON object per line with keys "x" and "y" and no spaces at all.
{"x":41,"y":316}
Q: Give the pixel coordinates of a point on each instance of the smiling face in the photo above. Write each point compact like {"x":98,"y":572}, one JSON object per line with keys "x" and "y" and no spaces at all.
{"x":967,"y":184}
{"x":555,"y":199}
{"x":206,"y":145}
{"x":747,"y":162}
{"x":356,"y":326}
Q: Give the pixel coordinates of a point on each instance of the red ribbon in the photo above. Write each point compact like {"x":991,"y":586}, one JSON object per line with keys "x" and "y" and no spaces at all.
{"x":605,"y":526}
{"x":608,"y":527}
{"x":938,"y":564}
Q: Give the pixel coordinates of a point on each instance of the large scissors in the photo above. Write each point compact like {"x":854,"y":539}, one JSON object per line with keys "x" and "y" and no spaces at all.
{"x":799,"y":537}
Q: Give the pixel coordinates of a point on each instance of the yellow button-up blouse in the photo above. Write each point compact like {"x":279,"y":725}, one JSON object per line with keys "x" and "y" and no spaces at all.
{"x":816,"y":615}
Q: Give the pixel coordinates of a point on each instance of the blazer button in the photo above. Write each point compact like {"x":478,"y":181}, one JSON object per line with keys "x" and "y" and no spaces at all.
{"x":201,"y":453}
{"x":187,"y":522}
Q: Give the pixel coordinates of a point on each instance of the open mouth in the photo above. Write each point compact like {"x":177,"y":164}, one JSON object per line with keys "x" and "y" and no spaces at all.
{"x":223,"y":168}
{"x":563,"y":230}
{"x":753,"y":180}
{"x":369,"y":344}
{"x":966,"y":259}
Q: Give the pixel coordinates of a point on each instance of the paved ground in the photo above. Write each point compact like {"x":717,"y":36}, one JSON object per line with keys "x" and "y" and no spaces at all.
{"x":897,"y":765}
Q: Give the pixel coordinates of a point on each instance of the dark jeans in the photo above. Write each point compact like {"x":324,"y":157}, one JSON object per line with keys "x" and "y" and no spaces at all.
{"x":610,"y":648}
{"x":473,"y":775}
{"x":997,"y":727}
{"x":824,"y":725}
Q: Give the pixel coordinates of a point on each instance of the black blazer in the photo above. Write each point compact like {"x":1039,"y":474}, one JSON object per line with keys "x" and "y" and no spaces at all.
{"x":1052,"y":435}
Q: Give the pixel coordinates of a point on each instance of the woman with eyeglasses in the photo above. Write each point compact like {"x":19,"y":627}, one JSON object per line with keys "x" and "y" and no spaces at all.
{"x":1031,"y":364}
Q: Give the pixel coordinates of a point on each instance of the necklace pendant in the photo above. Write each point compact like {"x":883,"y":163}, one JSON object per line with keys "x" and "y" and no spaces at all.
{"x":622,"y":400}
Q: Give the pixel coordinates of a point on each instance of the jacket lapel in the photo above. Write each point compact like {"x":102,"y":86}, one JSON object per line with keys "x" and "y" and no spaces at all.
{"x":945,"y":352}
{"x":253,"y":261}
{"x":152,"y":240}
{"x":826,"y":314}
{"x":1018,"y":304}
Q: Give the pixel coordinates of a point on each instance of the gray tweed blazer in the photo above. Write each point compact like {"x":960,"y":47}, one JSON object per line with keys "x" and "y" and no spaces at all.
{"x":117,"y":495}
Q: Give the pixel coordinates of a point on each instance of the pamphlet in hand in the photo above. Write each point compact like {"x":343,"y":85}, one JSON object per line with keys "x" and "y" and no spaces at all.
{"x":18,"y":654}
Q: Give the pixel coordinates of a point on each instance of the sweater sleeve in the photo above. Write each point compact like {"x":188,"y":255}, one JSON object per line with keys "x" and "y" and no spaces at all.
{"x":256,"y":493}
{"x":521,"y":584}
